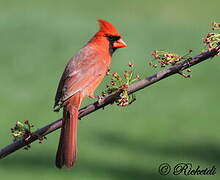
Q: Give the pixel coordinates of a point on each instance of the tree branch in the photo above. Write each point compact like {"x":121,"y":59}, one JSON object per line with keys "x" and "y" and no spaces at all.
{"x":111,"y":98}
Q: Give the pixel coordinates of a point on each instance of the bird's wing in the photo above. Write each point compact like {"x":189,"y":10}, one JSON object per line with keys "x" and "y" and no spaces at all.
{"x":80,"y":72}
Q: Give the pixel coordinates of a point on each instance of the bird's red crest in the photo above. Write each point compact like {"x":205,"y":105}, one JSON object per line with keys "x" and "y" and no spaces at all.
{"x":107,"y":28}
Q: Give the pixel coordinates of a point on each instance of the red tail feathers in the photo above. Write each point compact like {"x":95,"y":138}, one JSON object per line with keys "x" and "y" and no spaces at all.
{"x":66,"y":153}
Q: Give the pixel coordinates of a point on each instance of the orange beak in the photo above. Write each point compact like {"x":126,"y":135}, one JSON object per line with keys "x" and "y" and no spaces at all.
{"x":119,"y":44}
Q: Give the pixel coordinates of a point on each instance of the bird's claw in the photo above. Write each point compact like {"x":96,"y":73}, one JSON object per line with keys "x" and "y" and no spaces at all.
{"x":100,"y":99}
{"x":184,"y":75}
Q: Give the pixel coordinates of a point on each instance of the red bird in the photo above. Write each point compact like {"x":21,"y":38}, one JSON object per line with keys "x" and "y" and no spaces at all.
{"x":83,"y":73}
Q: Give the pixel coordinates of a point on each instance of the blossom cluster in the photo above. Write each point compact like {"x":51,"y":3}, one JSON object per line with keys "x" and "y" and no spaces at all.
{"x":121,"y":83}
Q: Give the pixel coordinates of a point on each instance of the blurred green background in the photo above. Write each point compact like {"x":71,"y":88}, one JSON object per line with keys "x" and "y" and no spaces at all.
{"x":173,"y":121}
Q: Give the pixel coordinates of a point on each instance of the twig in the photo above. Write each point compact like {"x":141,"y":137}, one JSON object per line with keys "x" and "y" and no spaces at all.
{"x":111,"y":98}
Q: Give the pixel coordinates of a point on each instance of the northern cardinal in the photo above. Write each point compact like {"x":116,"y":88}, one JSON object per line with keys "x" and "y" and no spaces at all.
{"x":83,"y":73}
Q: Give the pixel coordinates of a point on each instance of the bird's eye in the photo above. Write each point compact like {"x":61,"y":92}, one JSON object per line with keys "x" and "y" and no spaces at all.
{"x":113,"y":38}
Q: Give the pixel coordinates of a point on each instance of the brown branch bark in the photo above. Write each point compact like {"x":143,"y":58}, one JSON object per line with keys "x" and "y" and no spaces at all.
{"x":111,"y":98}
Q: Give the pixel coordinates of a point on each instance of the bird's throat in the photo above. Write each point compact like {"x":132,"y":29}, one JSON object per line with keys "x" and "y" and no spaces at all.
{"x":111,"y":49}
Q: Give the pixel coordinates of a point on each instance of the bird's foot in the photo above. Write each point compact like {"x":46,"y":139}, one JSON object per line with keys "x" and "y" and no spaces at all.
{"x":100,"y":98}
{"x":184,"y":75}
